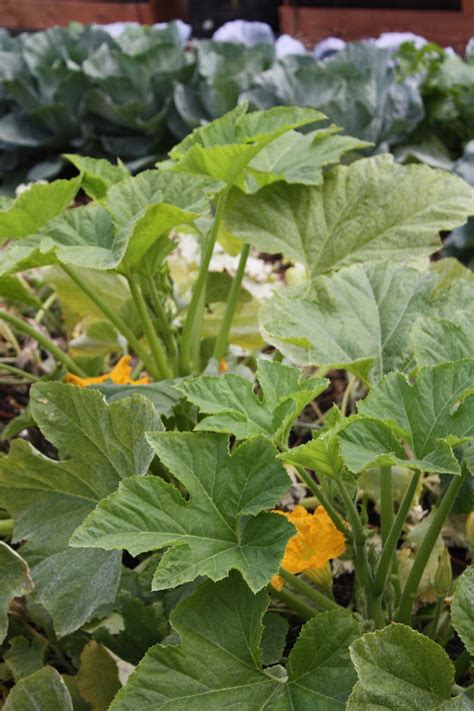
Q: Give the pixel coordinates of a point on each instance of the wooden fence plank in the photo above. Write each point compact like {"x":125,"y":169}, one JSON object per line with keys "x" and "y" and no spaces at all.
{"x":313,"y":24}
{"x":27,"y":14}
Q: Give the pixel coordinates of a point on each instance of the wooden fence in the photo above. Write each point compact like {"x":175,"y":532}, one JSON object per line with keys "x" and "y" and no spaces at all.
{"x":40,"y":14}
{"x":449,"y":28}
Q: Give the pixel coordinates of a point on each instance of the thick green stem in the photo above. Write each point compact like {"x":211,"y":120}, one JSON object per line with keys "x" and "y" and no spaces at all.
{"x":424,"y":551}
{"x":360,"y":552}
{"x":196,"y":333}
{"x":44,"y":341}
{"x":44,"y":312}
{"x":377,"y":613}
{"x":322,"y":499}
{"x":347,"y":393}
{"x":115,"y":319}
{"x":17,"y":371}
{"x":220,"y":346}
{"x":200,"y":285}
{"x":390,"y":545}
{"x":6,"y":526}
{"x":152,"y":337}
{"x":162,"y":317}
{"x":462,"y":664}
{"x":310,"y":592}
{"x":294,"y":603}
{"x":386,"y":502}
{"x":433,"y":627}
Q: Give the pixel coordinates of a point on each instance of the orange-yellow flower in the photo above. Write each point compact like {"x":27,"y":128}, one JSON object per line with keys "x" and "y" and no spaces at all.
{"x":223,"y":366}
{"x":121,"y":374}
{"x":317,"y":540}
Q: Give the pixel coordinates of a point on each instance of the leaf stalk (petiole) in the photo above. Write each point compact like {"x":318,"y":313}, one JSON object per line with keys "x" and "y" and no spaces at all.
{"x":220,"y":345}
{"x":323,"y":500}
{"x":200,"y":285}
{"x":411,"y":586}
{"x":305,"y":611}
{"x":151,"y":335}
{"x":311,"y":593}
{"x":44,"y":341}
{"x":115,"y":319}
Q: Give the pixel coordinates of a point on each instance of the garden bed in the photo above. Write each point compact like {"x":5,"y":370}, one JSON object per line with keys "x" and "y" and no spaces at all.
{"x":238,"y":462}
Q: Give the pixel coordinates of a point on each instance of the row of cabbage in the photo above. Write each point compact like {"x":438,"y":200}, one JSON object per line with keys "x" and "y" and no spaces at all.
{"x":135,"y":94}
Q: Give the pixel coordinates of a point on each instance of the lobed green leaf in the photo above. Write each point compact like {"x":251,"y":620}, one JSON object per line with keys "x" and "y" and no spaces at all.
{"x":233,"y":407}
{"x":400,"y":668}
{"x":49,"y":499}
{"x":221,"y":527}
{"x":223,"y":622}
{"x":371,"y":210}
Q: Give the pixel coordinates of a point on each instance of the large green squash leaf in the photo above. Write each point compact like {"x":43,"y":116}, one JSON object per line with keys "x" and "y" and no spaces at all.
{"x":162,"y":394}
{"x":97,"y":678}
{"x":439,"y":340}
{"x":97,"y":174}
{"x":76,"y":305}
{"x":223,"y":622}
{"x":128,"y":200}
{"x":36,"y":206}
{"x":464,"y":701}
{"x":432,"y":415}
{"x":136,"y":214}
{"x":462,"y":608}
{"x":13,"y":289}
{"x":83,"y":237}
{"x":321,"y":453}
{"x":298,"y":158}
{"x":142,"y":626}
{"x":399,"y":668}
{"x":371,"y":210}
{"x":145,"y":207}
{"x":234,"y":408}
{"x":44,"y":690}
{"x":359,"y":318}
{"x":16,"y":581}
{"x":24,"y":656}
{"x":222,"y":149}
{"x":221,"y":527}
{"x":49,"y":499}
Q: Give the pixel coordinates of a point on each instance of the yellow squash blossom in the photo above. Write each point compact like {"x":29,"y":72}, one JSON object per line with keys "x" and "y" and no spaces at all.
{"x":317,"y":540}
{"x":121,"y":374}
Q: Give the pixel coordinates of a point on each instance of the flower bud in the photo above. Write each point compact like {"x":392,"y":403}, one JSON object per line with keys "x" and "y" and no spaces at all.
{"x":444,"y":575}
{"x":322,"y":577}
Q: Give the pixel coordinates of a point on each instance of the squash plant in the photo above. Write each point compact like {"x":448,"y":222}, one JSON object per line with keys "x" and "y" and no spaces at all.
{"x":160,"y":544}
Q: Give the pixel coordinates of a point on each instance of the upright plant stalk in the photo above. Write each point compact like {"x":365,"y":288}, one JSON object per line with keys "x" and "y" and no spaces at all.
{"x":323,"y":500}
{"x":200,"y":285}
{"x":390,"y":545}
{"x":220,"y":345}
{"x":310,"y":592}
{"x":166,"y":331}
{"x":44,"y":312}
{"x":196,"y":332}
{"x":17,"y":371}
{"x":424,"y":551}
{"x":433,"y":628}
{"x":152,"y":337}
{"x":44,"y":341}
{"x":386,"y":501}
{"x":115,"y":319}
{"x":347,"y":393}
{"x":360,"y":552}
{"x":294,"y":603}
